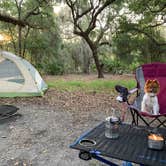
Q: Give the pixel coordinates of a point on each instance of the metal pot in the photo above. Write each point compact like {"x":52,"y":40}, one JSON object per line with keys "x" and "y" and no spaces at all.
{"x":156,"y":141}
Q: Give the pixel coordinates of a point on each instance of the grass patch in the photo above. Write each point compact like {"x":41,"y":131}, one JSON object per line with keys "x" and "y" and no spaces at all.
{"x":97,"y":85}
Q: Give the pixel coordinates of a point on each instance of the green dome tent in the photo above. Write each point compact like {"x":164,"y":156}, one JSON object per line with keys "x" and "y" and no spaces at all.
{"x":18,"y":77}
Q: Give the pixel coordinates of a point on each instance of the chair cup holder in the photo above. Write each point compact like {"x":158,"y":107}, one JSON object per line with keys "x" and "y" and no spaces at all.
{"x":87,"y":142}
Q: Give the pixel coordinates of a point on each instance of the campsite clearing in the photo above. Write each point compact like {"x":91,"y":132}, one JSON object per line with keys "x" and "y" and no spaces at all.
{"x":41,"y":137}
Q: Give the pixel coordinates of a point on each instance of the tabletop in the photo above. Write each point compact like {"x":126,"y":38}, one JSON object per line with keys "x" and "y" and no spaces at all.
{"x":132,"y":145}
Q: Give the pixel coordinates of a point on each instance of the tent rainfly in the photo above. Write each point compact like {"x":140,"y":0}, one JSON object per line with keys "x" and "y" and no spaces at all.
{"x":18,"y":77}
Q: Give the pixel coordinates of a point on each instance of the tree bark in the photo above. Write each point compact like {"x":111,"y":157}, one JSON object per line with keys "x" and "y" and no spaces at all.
{"x":99,"y":66}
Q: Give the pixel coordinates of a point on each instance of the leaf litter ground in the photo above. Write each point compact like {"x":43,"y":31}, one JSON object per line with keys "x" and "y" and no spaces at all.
{"x":49,"y":124}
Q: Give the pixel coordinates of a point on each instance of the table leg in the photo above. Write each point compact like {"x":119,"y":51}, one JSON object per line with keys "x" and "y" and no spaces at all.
{"x":126,"y":163}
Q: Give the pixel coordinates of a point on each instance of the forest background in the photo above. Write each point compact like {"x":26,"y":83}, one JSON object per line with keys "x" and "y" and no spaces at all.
{"x":84,"y":36}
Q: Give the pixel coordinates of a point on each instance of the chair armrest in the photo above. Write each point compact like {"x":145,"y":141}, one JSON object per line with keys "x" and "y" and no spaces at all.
{"x":133,"y":90}
{"x":123,"y":93}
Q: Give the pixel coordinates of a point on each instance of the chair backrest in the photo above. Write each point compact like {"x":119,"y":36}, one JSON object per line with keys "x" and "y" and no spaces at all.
{"x":153,"y":71}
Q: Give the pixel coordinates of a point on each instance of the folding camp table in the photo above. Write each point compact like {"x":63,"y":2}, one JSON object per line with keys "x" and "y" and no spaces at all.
{"x":131,"y":146}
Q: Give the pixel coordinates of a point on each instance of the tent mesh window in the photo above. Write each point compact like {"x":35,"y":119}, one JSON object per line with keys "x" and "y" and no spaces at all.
{"x":10,"y":72}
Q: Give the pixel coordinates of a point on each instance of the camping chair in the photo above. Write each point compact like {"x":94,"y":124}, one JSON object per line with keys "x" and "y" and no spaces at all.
{"x":144,"y":72}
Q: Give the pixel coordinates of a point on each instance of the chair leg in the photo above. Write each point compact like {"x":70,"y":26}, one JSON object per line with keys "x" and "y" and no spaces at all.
{"x":137,"y":118}
{"x":143,"y":119}
{"x":133,"y":117}
{"x":153,"y":121}
{"x":161,"y":123}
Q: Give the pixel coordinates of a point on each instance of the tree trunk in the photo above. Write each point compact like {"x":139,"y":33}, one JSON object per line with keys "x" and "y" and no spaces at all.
{"x":99,"y":66}
{"x":19,"y":41}
{"x":93,"y":48}
{"x":18,"y":4}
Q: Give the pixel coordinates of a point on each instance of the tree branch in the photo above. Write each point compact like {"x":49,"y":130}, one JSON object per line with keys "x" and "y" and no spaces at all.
{"x":34,"y":11}
{"x":155,"y":25}
{"x":100,"y":36}
{"x":156,"y":11}
{"x":12,"y":20}
{"x":85,"y":12}
{"x":96,"y":12}
{"x":149,"y":36}
{"x":105,"y":43}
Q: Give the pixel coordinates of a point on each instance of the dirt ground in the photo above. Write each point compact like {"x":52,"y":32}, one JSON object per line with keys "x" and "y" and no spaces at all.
{"x":49,"y":124}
